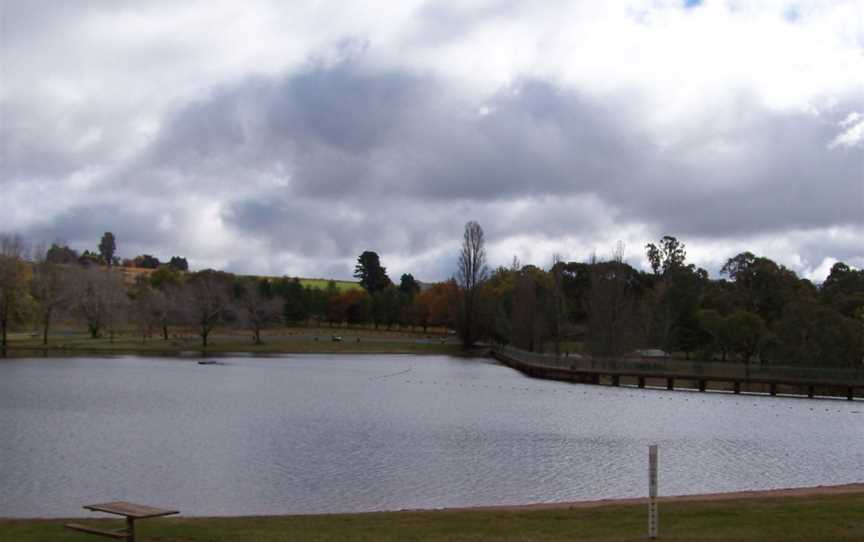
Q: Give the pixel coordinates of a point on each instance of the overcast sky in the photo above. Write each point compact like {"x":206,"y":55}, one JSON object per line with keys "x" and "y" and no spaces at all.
{"x":288,"y":137}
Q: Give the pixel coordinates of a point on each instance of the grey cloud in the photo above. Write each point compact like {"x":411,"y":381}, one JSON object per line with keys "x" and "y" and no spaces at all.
{"x":788,"y":180}
{"x":329,"y":229}
{"x":815,"y":249}
{"x":43,"y":143}
{"x":441,"y":22}
{"x":83,"y":225}
{"x":340,"y":158}
{"x":345,"y":133}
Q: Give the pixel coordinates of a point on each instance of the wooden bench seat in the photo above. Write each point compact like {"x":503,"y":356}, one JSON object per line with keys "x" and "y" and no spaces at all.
{"x":120,"y":534}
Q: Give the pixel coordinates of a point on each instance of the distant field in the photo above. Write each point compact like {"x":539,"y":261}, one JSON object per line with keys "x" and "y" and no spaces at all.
{"x":342,"y":285}
{"x":130,"y":274}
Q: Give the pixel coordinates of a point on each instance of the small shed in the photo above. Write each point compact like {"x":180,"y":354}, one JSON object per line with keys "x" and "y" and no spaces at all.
{"x":652,"y":353}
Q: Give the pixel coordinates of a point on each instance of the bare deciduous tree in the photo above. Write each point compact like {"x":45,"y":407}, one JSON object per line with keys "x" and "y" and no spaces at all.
{"x":146,"y":309}
{"x":13,"y":284}
{"x":48,"y":290}
{"x":471,"y":275}
{"x":100,"y":300}
{"x":258,"y":312}
{"x":165,"y":304}
{"x":206,"y":300}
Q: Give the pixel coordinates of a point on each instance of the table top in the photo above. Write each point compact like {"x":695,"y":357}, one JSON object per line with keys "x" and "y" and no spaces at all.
{"x":130,"y":510}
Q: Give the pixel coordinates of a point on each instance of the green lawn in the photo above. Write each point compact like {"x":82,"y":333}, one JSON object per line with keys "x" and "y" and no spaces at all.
{"x":341,"y":285}
{"x":835,"y":518}
{"x":283,"y":340}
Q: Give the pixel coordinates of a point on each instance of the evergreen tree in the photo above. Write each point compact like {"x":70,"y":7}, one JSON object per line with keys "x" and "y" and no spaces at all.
{"x":107,"y":247}
{"x":373,"y":276}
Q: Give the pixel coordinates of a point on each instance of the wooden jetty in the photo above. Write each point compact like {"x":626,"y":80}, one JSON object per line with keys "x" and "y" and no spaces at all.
{"x":679,"y":374}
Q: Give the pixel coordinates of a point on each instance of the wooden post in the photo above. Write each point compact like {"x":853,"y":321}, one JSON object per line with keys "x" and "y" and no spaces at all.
{"x":737,"y":387}
{"x":616,"y":380}
{"x":701,"y":385}
{"x":850,"y":393}
{"x":641,"y":381}
{"x":130,"y":529}
{"x":652,"y":491}
{"x":811,"y":391}
{"x":670,"y":383}
{"x":773,"y":389}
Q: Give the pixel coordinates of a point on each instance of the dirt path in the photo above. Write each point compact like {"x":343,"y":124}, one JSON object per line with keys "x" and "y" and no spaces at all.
{"x":731,"y":496}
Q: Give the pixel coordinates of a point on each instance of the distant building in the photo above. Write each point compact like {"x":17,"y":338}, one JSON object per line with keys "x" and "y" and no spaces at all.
{"x":651,"y":353}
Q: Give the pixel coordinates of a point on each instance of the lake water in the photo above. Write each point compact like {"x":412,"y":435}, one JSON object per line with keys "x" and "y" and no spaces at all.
{"x":320,"y":433}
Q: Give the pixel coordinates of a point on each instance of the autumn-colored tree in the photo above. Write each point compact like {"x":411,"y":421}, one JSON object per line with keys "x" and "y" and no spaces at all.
{"x":351,"y":307}
{"x":442,"y":301}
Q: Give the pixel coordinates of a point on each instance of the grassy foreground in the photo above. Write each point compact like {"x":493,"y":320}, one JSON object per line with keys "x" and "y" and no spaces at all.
{"x":834,"y":518}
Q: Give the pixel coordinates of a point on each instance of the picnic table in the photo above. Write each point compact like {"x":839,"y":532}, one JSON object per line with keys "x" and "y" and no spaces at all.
{"x":130,"y":510}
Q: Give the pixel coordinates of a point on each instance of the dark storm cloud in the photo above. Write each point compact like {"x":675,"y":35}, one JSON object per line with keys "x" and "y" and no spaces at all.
{"x":352,"y":137}
{"x":315,"y":227}
{"x":347,"y":132}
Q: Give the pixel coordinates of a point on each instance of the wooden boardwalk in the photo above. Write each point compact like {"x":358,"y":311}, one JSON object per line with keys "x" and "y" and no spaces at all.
{"x":734,"y":377}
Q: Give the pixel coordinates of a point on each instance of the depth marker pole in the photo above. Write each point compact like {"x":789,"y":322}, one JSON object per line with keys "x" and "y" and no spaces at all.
{"x":652,"y":491}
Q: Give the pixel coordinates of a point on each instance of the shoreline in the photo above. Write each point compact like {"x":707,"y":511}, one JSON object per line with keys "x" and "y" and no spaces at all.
{"x":855,"y":488}
{"x":811,"y":491}
{"x":268,"y":349}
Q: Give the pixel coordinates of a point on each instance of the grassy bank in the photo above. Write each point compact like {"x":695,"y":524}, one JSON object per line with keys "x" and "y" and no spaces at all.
{"x":287,"y":340}
{"x":223,"y":347}
{"x":833,"y":518}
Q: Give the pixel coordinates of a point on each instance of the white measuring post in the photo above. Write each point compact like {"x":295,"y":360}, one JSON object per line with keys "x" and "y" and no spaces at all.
{"x":652,"y":491}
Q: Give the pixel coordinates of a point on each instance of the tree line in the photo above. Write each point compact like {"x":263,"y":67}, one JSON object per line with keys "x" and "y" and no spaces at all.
{"x":40,"y":290}
{"x":757,"y":311}
{"x":60,"y":253}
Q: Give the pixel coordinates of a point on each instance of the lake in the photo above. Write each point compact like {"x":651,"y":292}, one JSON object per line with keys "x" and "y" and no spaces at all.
{"x":346,"y":433}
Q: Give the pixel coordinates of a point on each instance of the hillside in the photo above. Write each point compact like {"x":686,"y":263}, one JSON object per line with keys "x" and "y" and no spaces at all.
{"x":130,"y":275}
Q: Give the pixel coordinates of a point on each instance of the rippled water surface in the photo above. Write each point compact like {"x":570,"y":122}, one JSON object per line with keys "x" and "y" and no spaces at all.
{"x":318,"y":433}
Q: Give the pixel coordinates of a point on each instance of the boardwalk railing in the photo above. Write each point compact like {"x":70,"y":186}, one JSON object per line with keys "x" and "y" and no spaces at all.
{"x":562,"y":365}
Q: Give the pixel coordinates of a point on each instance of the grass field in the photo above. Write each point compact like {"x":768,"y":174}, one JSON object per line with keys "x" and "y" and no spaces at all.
{"x":131,"y":274}
{"x":341,"y":285}
{"x":788,"y":519}
{"x":282,"y":340}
